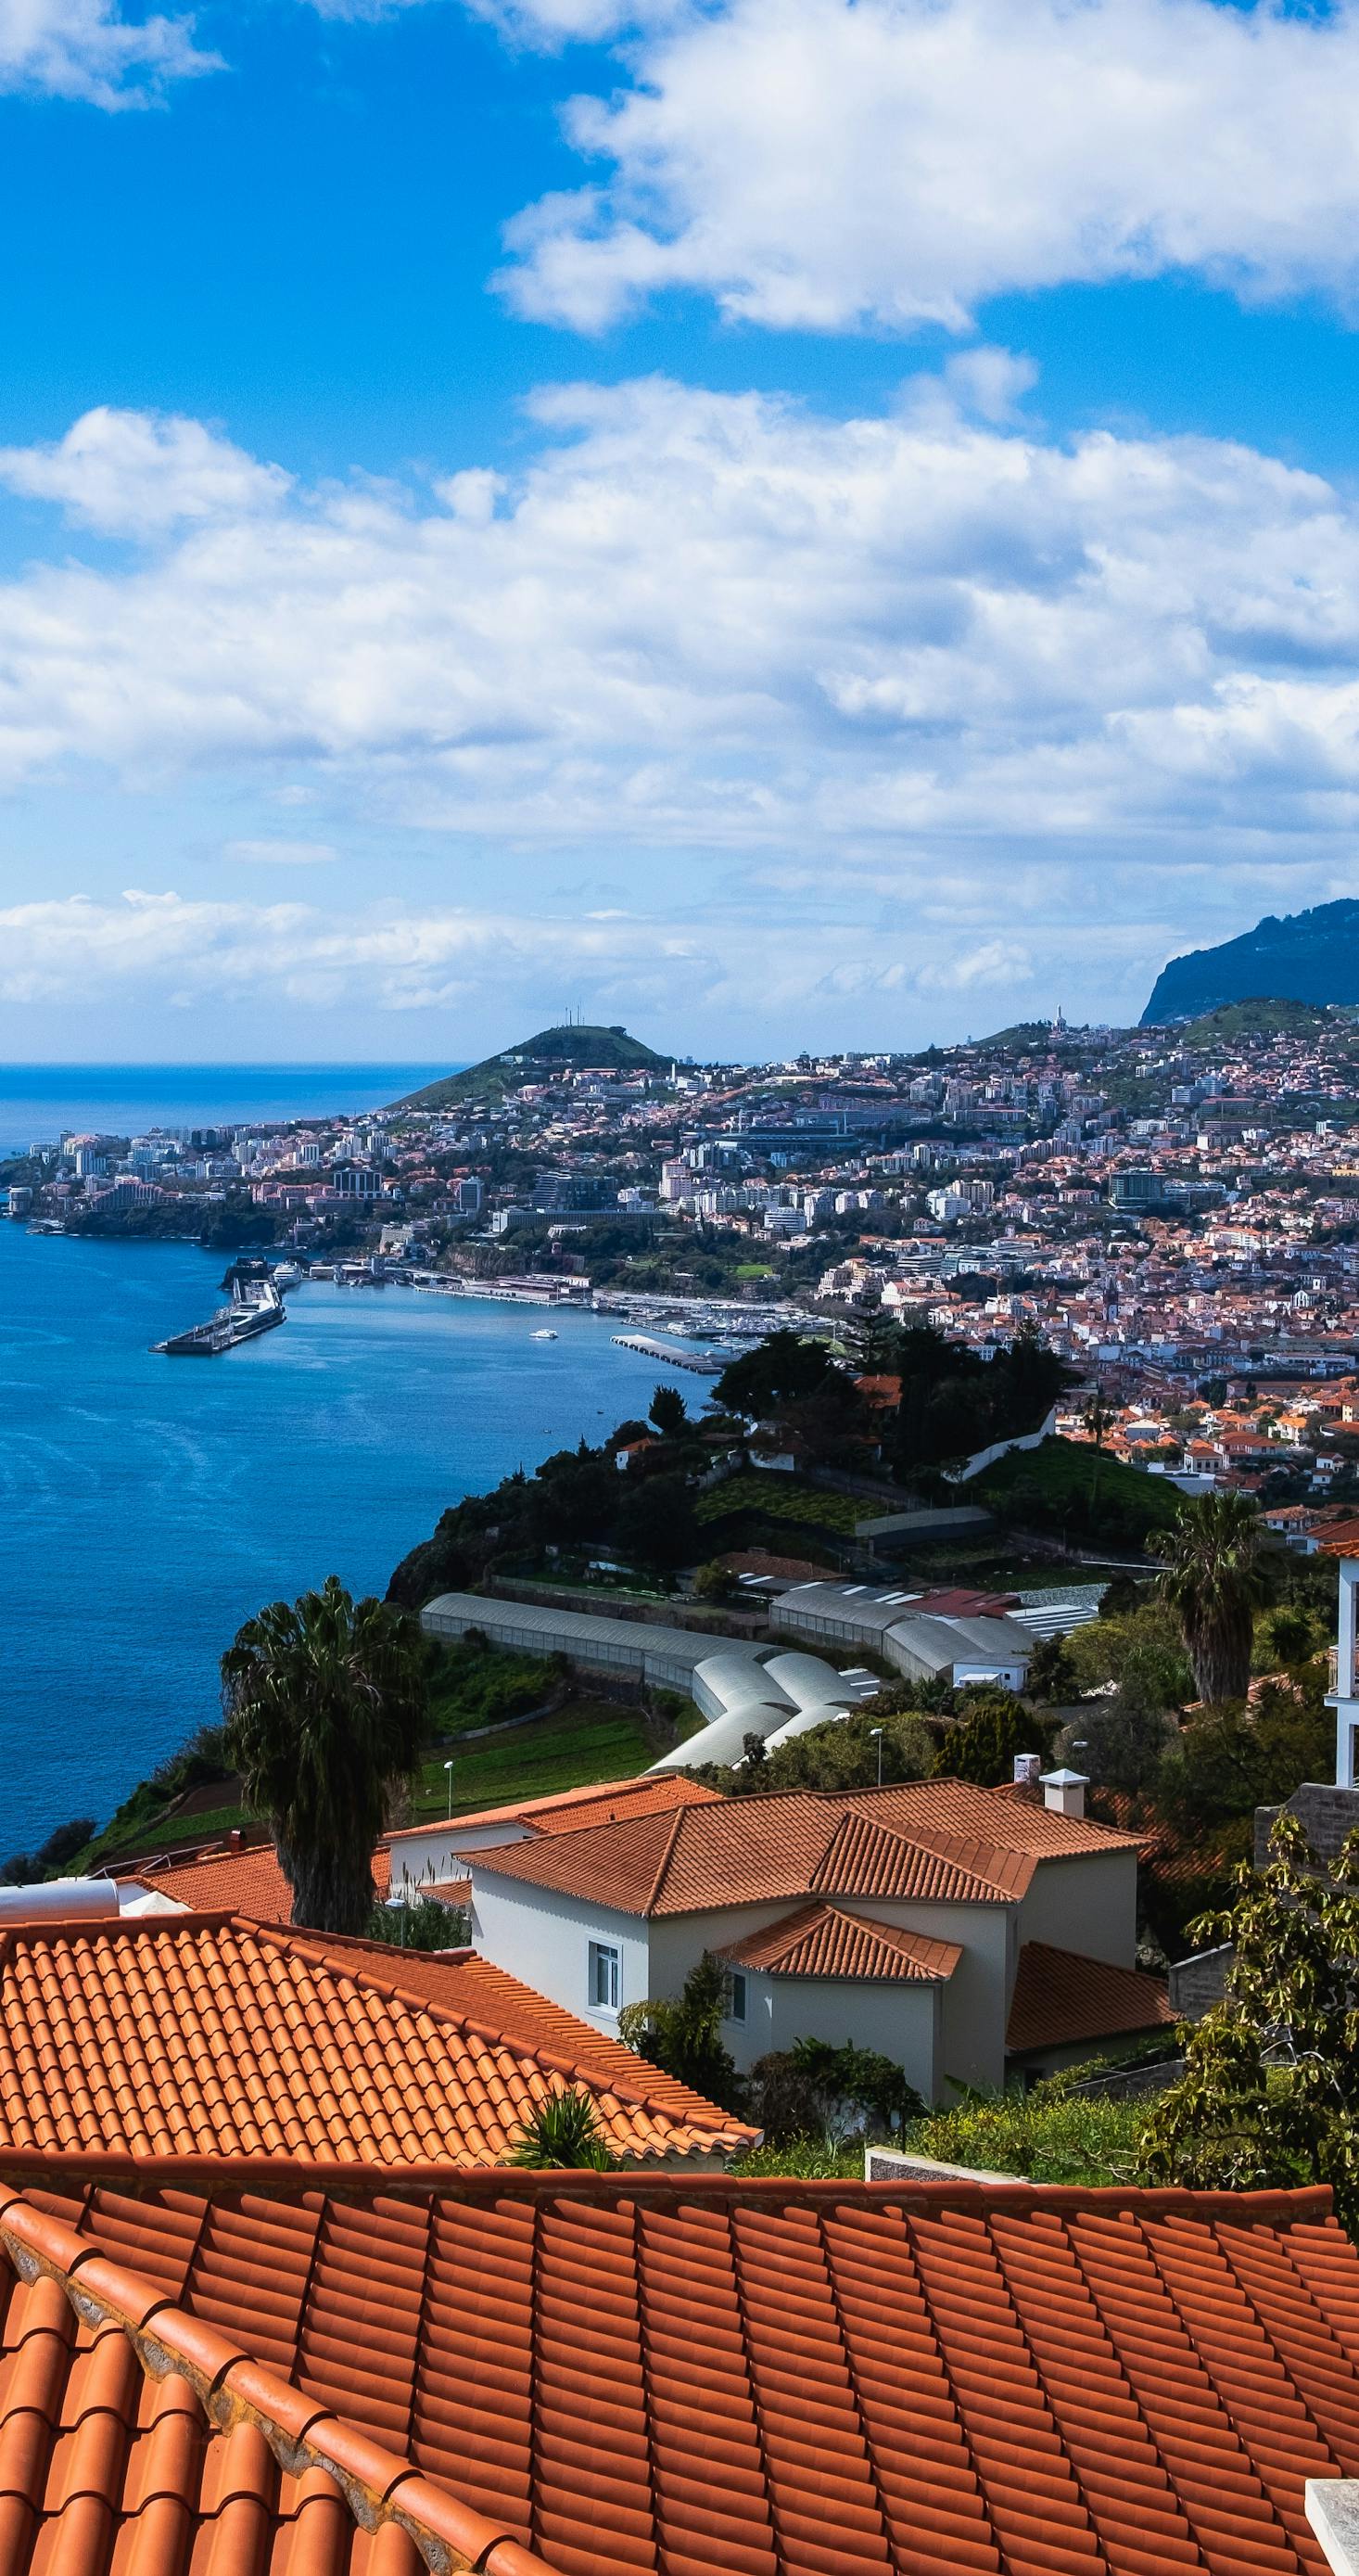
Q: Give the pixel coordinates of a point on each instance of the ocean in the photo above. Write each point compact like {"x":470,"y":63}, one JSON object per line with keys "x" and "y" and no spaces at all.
{"x":38,"y":1101}
{"x":149,"y":1505}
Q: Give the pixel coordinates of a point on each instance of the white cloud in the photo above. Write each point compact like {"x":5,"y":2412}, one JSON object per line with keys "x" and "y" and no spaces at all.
{"x":547,"y":24}
{"x":920,"y":704}
{"x":822,"y":164}
{"x":718,"y":622}
{"x":85,"y":49}
{"x":130,"y":473}
{"x":158,"y":951}
{"x":279,"y":854}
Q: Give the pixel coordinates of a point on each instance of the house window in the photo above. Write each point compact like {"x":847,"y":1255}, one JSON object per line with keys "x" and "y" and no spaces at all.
{"x":605,"y":1980}
{"x":736,"y":1996}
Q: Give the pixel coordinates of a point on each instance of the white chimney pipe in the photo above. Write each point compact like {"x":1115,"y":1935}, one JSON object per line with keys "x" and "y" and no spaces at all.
{"x":1064,"y":1792}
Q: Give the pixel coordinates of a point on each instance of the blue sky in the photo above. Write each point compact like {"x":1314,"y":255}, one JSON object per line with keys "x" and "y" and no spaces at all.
{"x":783,"y":521}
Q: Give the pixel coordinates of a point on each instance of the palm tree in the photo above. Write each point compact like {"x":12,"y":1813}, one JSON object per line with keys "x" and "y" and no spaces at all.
{"x":1214,"y":1581}
{"x":324,"y":1699}
{"x":562,"y":2134}
{"x":1096,"y":1419}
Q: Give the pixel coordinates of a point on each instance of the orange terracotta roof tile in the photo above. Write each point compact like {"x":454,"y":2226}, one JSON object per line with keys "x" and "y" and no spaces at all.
{"x":192,"y":2037}
{"x":935,"y":1839}
{"x":827,"y":1941}
{"x":584,"y":2375}
{"x":955,"y":1810}
{"x":568,"y":1810}
{"x":240,"y":1882}
{"x":1061,"y":1998}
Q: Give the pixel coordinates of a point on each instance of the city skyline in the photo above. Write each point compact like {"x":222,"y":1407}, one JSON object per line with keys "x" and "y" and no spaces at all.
{"x":807,"y":526}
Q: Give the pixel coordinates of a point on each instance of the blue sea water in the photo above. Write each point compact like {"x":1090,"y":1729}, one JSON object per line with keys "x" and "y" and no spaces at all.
{"x":38,"y":1100}
{"x":149,"y":1505}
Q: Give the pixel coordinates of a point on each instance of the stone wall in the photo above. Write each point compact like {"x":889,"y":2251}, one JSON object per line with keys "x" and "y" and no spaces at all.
{"x":1325,"y":1813}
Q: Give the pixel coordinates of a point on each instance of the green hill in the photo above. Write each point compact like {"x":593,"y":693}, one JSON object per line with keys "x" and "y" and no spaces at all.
{"x":1254,"y":1019}
{"x":550,"y":1051}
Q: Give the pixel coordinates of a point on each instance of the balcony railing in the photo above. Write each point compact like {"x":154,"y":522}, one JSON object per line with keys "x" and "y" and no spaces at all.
{"x":1336,"y":1688}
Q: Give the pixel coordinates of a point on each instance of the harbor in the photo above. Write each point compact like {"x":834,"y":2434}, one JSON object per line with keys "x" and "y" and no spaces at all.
{"x":256,"y":1307}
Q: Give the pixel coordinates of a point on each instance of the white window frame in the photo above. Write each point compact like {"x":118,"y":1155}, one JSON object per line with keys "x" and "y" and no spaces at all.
{"x":736,"y":2001}
{"x":605,"y":1972}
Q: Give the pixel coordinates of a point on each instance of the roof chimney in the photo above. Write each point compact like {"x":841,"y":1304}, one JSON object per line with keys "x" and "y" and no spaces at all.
{"x":1027,"y":1768}
{"x":1064,"y":1792}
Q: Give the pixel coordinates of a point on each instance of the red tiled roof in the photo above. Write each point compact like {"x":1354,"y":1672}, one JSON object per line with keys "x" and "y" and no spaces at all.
{"x":956,"y":1809}
{"x":575,"y":2375}
{"x":193,"y":2037}
{"x":1060,"y":1998}
{"x":240,"y":1882}
{"x":600,"y":1803}
{"x":866,"y":1858}
{"x":827,"y":1941}
{"x":930,"y":1839}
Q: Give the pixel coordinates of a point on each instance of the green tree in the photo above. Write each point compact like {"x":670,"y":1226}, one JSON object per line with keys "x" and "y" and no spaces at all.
{"x":1215,"y":1580}
{"x":1120,"y":1744}
{"x":683,"y":2034}
{"x":669,"y":1415}
{"x":1287,"y":1635}
{"x":562,"y":2134}
{"x":842,"y":1754}
{"x":992,"y":1729}
{"x":782,"y":1369}
{"x":1225,"y":1763}
{"x":653,"y":1523}
{"x":1052,"y":1674}
{"x":324,"y":1701}
{"x":1269,"y":2096}
{"x":1096,"y":1419}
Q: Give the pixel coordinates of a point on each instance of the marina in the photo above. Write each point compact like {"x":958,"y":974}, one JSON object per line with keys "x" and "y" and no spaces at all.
{"x":256,"y":1307}
{"x":148,"y":1510}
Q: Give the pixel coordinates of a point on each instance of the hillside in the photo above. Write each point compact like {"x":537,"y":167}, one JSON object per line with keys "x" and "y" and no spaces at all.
{"x":1264,"y":1019}
{"x":610,"y":1050}
{"x":1305,"y":957}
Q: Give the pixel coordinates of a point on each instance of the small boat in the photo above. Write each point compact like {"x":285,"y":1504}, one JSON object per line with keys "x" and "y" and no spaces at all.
{"x":545,"y":1335}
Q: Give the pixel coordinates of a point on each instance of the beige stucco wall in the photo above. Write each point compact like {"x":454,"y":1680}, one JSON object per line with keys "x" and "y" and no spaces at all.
{"x":903,"y":2022}
{"x":544,"y":1938}
{"x":1087,"y":1903}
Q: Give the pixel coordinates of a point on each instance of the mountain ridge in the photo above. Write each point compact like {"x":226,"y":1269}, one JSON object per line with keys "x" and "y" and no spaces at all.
{"x":1308,"y":956}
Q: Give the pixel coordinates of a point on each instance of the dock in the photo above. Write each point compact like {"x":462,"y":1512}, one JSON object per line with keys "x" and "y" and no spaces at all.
{"x":256,"y":1307}
{"x":701,"y":1362}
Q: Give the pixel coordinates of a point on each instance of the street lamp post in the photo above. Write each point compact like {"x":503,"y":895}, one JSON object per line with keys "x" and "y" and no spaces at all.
{"x":448,"y":1775}
{"x":877,"y":1730}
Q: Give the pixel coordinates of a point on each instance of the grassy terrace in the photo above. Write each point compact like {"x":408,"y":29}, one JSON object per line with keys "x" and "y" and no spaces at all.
{"x":1050,"y":1488}
{"x":588,"y":1740}
{"x":782,"y":1498}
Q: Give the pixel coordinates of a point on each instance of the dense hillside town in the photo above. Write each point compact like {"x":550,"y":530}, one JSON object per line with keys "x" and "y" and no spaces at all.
{"x":1174,"y":1211}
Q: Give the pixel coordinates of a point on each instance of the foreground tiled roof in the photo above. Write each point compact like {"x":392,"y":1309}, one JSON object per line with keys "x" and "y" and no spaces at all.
{"x":603,"y":1802}
{"x":935,"y":1839}
{"x":240,"y":1882}
{"x":577,"y":2374}
{"x":826,"y":1941}
{"x":1060,"y":1998}
{"x":191,"y":2037}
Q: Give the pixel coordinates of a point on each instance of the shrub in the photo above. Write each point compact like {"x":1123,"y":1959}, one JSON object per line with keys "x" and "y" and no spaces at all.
{"x":562,"y":2134}
{"x":983,"y":1742}
{"x":683,"y":2035}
